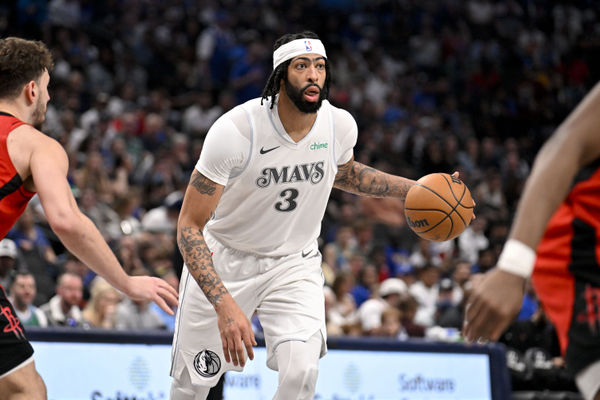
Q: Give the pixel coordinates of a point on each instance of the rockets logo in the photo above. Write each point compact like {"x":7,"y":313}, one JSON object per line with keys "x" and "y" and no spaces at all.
{"x":13,"y":323}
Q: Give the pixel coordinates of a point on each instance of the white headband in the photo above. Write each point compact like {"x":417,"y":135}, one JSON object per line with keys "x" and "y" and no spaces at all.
{"x":297,"y":47}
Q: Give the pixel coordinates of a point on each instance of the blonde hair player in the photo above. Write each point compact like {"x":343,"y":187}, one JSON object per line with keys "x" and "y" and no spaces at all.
{"x":250,"y":221}
{"x":30,"y":163}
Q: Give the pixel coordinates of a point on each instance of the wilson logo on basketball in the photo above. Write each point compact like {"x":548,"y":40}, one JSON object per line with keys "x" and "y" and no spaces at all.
{"x":420,"y":223}
{"x":207,"y":363}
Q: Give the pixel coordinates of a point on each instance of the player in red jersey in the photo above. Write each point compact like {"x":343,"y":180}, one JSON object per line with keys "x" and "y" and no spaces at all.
{"x":31,"y":162}
{"x":559,"y":215}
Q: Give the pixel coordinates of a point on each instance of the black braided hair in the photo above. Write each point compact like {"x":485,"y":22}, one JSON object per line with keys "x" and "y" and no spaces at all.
{"x":273,"y":83}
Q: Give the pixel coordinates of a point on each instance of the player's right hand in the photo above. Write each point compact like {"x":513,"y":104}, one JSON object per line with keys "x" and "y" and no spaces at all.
{"x":495,"y":301}
{"x":234,"y":328}
{"x":152,"y":289}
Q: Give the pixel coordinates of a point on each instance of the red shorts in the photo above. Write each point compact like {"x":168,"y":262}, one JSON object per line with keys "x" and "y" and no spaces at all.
{"x":566,"y":279}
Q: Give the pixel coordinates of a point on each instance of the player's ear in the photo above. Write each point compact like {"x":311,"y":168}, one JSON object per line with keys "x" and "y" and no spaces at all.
{"x":31,"y":92}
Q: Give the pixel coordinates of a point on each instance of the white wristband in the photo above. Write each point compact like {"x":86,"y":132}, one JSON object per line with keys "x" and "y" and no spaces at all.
{"x":517,"y":258}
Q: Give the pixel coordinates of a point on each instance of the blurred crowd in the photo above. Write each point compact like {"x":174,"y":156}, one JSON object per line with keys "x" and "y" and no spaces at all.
{"x":474,"y":86}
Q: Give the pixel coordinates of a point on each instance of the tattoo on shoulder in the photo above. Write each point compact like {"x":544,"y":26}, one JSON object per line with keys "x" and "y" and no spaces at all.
{"x":202,"y":184}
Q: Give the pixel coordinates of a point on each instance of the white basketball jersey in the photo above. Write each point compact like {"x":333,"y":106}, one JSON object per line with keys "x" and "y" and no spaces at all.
{"x":276,"y":190}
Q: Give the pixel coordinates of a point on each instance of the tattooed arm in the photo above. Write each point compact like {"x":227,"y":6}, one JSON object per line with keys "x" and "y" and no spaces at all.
{"x":200,"y":201}
{"x":363,"y":180}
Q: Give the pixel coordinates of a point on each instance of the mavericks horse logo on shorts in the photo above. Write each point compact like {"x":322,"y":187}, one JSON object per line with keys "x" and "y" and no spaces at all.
{"x":207,"y":363}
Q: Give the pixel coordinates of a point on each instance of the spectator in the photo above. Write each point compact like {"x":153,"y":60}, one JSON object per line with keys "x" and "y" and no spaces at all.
{"x":168,"y":320}
{"x":363,"y":230}
{"x":530,"y":304}
{"x":140,"y":315}
{"x":198,"y":117}
{"x":425,"y":291}
{"x":163,"y":219}
{"x":72,"y":134}
{"x":461,"y":273}
{"x":90,"y":119}
{"x":31,"y":239}
{"x":128,"y":253}
{"x":137,"y":315}
{"x":155,"y":133}
{"x":342,"y":311}
{"x":409,"y":306}
{"x":22,"y":293}
{"x":93,"y":175}
{"x":65,"y":13}
{"x":74,"y":265}
{"x":448,"y":312}
{"x":473,"y":240}
{"x":485,"y":261}
{"x":329,"y":264}
{"x":425,"y":254}
{"x":356,"y":264}
{"x":8,"y":261}
{"x":248,"y":74}
{"x":344,"y":245}
{"x":103,"y":216}
{"x":126,"y":207}
{"x":391,"y":324}
{"x":214,"y":46}
{"x":37,"y":253}
{"x":366,"y":285}
{"x":490,"y":192}
{"x":99,"y":312}
{"x":332,"y":326}
{"x":391,"y":293}
{"x":155,"y":252}
{"x":63,"y":309}
{"x":408,"y":274}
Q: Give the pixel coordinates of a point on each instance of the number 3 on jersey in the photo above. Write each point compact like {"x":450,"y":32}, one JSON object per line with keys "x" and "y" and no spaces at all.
{"x":288,"y":200}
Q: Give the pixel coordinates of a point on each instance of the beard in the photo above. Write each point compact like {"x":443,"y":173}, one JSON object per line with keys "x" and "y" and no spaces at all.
{"x":39,"y":114}
{"x":295,"y":94}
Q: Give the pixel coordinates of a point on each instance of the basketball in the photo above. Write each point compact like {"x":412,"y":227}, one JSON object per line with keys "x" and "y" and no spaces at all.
{"x":439,"y":207}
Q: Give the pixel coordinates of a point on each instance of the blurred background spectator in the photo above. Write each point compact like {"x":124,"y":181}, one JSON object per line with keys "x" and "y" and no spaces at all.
{"x":8,"y":262}
{"x":63,"y":309}
{"x":391,"y":292}
{"x":100,"y":310}
{"x":22,"y":293}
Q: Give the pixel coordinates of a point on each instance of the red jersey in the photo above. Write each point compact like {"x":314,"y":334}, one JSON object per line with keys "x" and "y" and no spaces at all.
{"x":13,"y":196}
{"x":568,"y":257}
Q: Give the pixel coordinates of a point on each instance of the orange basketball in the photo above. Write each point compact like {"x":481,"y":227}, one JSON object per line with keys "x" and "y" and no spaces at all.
{"x":439,"y":207}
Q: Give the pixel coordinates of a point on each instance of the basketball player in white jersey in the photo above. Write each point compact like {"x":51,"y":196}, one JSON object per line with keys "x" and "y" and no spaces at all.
{"x":249,"y":225}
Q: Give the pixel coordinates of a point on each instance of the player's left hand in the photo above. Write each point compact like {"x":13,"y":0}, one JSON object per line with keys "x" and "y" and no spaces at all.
{"x":152,"y":289}
{"x":494,"y":302}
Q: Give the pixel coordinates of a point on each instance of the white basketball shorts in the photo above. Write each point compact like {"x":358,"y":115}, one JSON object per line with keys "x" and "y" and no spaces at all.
{"x":286,"y":292}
